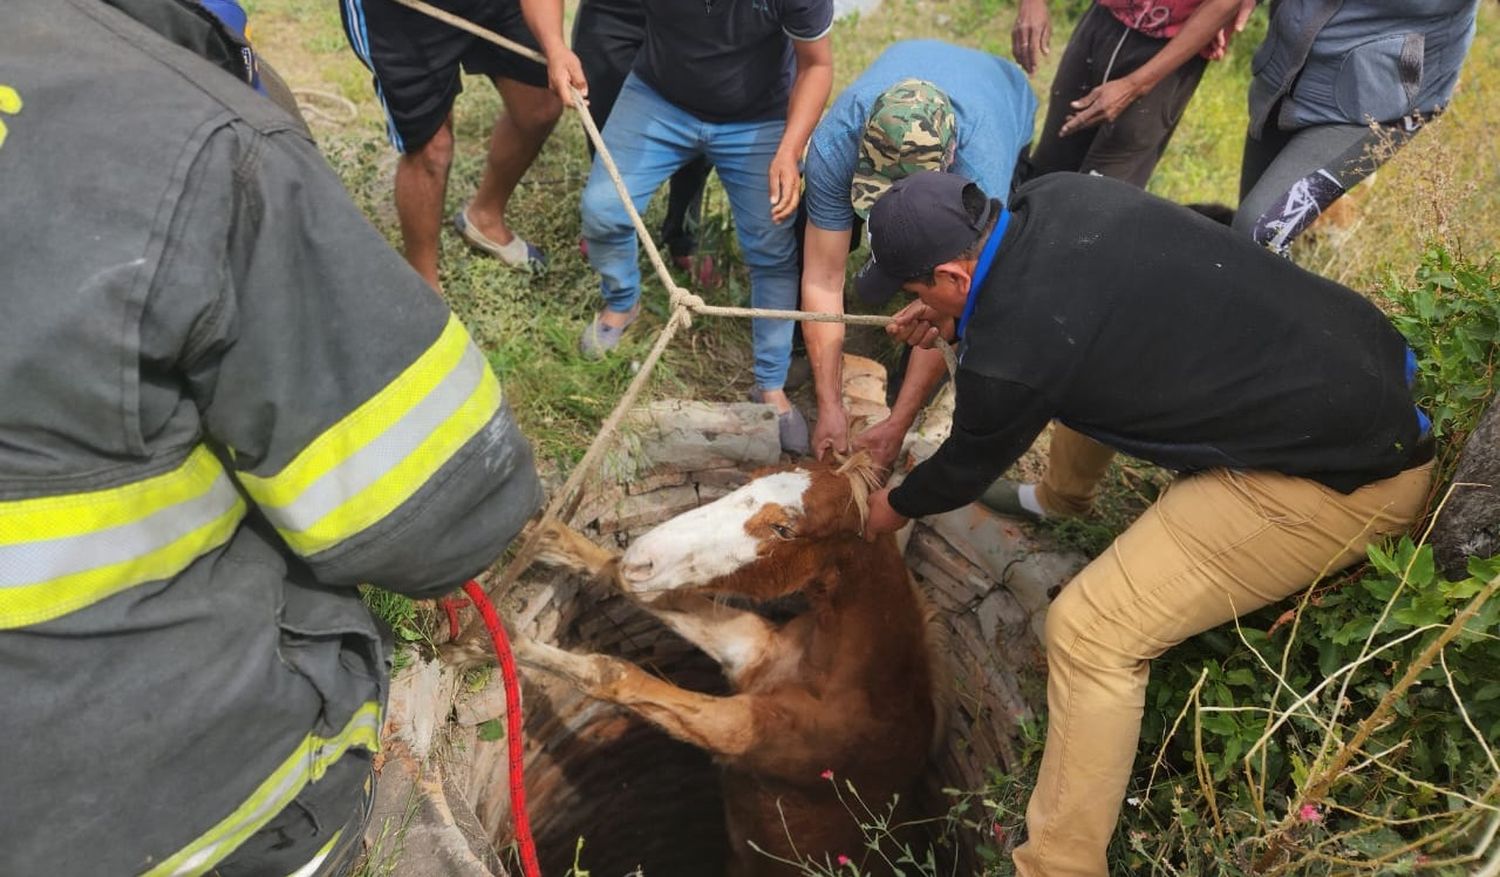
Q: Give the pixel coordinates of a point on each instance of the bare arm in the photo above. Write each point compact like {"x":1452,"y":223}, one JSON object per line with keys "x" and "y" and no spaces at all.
{"x":809,"y":94}
{"x":883,"y":440}
{"x":564,"y":71}
{"x":1031,"y":37}
{"x":823,"y":255}
{"x":1108,"y":101}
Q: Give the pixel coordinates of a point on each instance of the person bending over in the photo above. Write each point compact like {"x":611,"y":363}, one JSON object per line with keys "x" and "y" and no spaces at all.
{"x":1282,"y":399}
{"x":921,"y":105}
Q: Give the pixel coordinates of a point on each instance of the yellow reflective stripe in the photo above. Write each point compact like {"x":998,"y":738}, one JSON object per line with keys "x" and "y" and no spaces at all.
{"x":307,"y":764}
{"x":57,"y":517}
{"x":60,"y":554}
{"x":362,"y":425}
{"x":365,"y":466}
{"x":405,"y":478}
{"x":32,"y":604}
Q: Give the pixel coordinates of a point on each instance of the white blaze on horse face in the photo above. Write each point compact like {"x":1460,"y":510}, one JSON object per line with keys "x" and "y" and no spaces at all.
{"x":709,"y":542}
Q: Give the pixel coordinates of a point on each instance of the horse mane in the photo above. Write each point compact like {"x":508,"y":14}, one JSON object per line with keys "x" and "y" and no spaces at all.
{"x":864,"y":476}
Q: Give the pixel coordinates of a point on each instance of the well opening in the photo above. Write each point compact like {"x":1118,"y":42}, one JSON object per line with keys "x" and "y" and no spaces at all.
{"x":639,"y":800}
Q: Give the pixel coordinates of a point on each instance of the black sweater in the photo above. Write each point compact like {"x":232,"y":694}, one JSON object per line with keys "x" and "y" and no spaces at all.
{"x":1166,"y":336}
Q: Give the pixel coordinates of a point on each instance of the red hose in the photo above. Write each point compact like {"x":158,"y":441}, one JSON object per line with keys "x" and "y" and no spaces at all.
{"x":507,"y":661}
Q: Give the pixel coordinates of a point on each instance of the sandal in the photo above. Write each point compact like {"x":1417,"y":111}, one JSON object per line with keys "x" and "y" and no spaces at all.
{"x":517,"y":254}
{"x":600,"y":338}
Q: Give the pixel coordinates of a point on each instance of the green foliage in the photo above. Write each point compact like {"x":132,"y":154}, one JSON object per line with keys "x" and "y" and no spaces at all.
{"x":410,"y":624}
{"x":1265,"y":695}
{"x":1450,"y":315}
{"x":492,"y":730}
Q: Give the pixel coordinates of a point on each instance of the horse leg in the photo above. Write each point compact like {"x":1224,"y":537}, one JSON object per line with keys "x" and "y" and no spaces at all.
{"x":721,"y":725}
{"x":733,"y":637}
{"x":562,"y":546}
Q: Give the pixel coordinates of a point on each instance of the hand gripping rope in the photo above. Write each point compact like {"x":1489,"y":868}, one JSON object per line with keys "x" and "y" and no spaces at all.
{"x":684,"y":305}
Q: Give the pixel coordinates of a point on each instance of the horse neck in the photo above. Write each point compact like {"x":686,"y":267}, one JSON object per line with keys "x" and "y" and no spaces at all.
{"x":863,"y":599}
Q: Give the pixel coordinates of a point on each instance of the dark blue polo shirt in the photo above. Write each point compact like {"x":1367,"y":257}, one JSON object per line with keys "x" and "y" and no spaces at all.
{"x":728,"y":60}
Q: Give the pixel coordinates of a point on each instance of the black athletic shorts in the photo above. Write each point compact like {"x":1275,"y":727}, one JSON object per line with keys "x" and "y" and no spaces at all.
{"x":416,"y":58}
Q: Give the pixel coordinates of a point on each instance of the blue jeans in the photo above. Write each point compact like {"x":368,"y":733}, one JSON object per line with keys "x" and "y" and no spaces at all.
{"x":651,"y":138}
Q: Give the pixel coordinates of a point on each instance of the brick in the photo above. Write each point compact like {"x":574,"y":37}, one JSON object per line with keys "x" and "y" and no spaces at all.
{"x":704,"y":435}
{"x":656,"y":481}
{"x":633,"y":512}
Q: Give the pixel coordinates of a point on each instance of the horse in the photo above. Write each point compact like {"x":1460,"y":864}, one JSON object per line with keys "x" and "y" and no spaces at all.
{"x":834,"y":693}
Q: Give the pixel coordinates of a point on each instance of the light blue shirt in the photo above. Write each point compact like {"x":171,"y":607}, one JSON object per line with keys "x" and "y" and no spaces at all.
{"x":992,"y":103}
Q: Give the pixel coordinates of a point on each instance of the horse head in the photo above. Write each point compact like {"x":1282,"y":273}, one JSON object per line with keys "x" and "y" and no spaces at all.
{"x":768,"y":539}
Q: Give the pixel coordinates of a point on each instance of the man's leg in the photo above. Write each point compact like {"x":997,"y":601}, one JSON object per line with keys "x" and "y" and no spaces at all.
{"x":1288,"y":183}
{"x":415,"y":62}
{"x":1215,"y":546}
{"x":1129,"y":147}
{"x":421,"y":184}
{"x":529,"y":116}
{"x":606,"y":39}
{"x":742,"y":152}
{"x":1075,"y":466}
{"x":649,"y":139}
{"x":679,"y":228}
{"x":1075,"y":78}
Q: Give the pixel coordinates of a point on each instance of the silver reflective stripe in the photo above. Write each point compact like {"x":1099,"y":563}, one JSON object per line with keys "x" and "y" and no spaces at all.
{"x":371,"y":462}
{"x":316,"y":862}
{"x":29,"y":563}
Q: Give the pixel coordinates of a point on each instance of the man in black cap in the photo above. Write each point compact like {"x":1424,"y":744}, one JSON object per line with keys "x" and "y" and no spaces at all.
{"x":1282,"y":398}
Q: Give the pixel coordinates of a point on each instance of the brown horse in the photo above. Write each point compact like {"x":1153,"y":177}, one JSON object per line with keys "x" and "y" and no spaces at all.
{"x":845,"y":686}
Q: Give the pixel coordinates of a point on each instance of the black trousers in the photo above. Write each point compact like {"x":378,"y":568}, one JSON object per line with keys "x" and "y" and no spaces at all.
{"x":1128,"y":148}
{"x":607,"y":35}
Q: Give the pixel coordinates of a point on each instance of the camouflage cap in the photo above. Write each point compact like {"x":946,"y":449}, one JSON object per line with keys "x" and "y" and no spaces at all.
{"x":910,"y":129}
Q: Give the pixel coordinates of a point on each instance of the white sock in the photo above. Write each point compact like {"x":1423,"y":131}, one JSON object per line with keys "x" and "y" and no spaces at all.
{"x":1027,"y":496}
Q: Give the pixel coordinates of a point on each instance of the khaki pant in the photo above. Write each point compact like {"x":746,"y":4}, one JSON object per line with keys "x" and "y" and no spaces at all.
{"x":1214,"y":546}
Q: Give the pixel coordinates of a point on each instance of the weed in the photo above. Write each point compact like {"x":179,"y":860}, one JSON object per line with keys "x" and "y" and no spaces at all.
{"x":1450,"y":315}
{"x":382,"y":857}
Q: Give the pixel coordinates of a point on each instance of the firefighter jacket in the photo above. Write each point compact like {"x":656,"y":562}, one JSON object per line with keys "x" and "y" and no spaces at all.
{"x":225,"y":402}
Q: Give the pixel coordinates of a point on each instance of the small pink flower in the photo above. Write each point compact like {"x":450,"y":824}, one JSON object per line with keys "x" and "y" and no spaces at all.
{"x":843,"y":860}
{"x":1310,"y":813}
{"x":827,"y":774}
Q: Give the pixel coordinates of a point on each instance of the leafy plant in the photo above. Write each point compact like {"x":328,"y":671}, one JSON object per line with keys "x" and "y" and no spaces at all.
{"x":1451,"y":318}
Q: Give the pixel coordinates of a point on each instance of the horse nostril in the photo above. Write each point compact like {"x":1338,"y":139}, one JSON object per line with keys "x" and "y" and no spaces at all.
{"x":637,"y":571}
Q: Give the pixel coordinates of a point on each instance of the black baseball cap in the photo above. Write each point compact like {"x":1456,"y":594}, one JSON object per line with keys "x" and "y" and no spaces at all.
{"x":921,"y":222}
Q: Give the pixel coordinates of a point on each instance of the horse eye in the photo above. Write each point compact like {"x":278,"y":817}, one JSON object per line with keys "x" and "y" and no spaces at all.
{"x":782,"y":531}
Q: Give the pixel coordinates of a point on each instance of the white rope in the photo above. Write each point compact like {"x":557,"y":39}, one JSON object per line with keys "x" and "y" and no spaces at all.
{"x":684,"y":305}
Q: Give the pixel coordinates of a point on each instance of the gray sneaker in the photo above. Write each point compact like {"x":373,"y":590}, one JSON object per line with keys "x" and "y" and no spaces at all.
{"x":599,"y":338}
{"x":791,"y":428}
{"x":1004,"y":497}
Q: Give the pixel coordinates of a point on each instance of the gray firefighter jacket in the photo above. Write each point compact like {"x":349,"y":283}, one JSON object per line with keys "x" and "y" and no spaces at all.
{"x":225,"y":402}
{"x":1351,"y":62}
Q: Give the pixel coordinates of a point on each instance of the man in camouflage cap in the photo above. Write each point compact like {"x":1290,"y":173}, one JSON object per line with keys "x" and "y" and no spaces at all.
{"x":922,"y":105}
{"x":910,"y":129}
